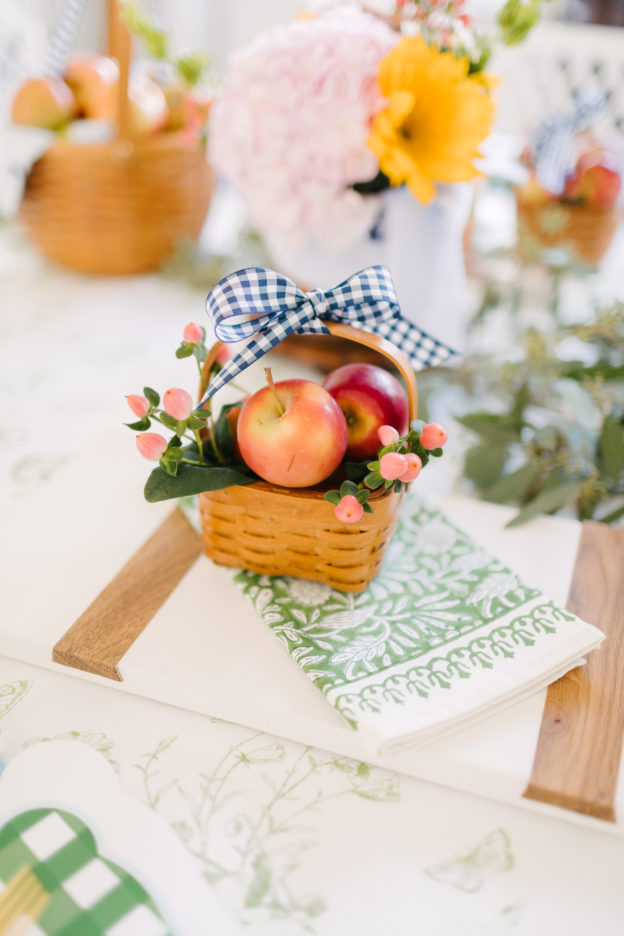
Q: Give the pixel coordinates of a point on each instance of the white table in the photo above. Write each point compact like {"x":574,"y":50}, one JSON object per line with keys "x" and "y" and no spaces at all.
{"x":290,"y":839}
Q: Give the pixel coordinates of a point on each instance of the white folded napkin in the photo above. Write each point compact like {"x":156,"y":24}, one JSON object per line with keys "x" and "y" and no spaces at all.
{"x":444,"y":635}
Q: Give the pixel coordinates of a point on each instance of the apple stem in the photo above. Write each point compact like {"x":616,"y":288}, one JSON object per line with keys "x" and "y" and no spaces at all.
{"x":269,"y":377}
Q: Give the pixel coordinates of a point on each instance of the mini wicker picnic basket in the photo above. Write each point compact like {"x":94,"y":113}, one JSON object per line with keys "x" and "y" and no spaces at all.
{"x":584,"y":231}
{"x":293,"y":531}
{"x":119,"y":206}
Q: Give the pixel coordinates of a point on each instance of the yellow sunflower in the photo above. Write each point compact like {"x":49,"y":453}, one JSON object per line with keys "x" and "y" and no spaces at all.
{"x":436,"y":117}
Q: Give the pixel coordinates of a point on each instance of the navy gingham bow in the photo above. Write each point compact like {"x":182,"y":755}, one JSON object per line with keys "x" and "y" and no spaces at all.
{"x":267,"y":307}
{"x":552,"y":142}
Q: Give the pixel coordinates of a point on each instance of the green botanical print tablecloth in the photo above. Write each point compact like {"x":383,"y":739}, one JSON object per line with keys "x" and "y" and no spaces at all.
{"x":444,"y":633}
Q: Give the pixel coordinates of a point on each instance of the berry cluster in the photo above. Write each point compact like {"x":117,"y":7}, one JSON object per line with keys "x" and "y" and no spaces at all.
{"x":399,"y":461}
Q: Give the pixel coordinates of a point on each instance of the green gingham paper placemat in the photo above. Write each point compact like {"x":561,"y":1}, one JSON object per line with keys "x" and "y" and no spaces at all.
{"x":444,"y":634}
{"x":89,"y":896}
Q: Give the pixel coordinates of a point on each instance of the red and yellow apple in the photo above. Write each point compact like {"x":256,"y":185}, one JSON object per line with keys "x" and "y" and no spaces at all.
{"x":148,"y":106}
{"x":596,"y":179}
{"x":43,"y":102}
{"x":94,"y":81}
{"x":369,"y":397}
{"x":292,"y":433}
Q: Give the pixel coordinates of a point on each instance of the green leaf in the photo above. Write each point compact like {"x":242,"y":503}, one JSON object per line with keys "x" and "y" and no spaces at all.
{"x":367,"y":508}
{"x":152,"y":397}
{"x":502,"y":427}
{"x":373,"y":480}
{"x":192,"y":480}
{"x":484,"y":464}
{"x":436,"y":453}
{"x":192,"y":66}
{"x":180,"y":427}
{"x":185,"y":350}
{"x":175,"y":441}
{"x":547,"y":501}
{"x":362,"y":496}
{"x":169,"y":465}
{"x":223,"y":435}
{"x":140,"y":425}
{"x":611,"y":449}
{"x":194,"y":423}
{"x":169,"y":421}
{"x":356,"y":471}
{"x":513,"y":486}
{"x":174,"y":452}
{"x":348,"y":487}
{"x":199,"y":351}
{"x":333,"y":497}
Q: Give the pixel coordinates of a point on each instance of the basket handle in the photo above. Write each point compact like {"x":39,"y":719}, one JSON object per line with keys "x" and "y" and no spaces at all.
{"x":120,"y":48}
{"x":359,"y":336}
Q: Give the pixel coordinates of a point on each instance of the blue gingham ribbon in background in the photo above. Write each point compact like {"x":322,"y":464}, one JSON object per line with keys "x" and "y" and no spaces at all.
{"x":553,"y":139}
{"x":267,"y":307}
{"x":63,"y":37}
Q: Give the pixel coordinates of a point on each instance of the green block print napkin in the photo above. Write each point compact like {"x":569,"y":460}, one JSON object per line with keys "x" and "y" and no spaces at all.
{"x":445,"y":633}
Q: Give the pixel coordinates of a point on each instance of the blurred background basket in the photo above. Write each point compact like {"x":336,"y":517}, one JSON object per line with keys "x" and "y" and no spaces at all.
{"x":118,"y":206}
{"x":582,"y":232}
{"x":293,"y":531}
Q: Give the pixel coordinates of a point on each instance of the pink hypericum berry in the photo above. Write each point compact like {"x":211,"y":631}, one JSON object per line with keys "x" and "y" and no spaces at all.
{"x":433,"y":436}
{"x":178,"y":403}
{"x":224,"y":354}
{"x":388,"y":435}
{"x":349,"y":510}
{"x":392,"y":466}
{"x":414,"y":465}
{"x":192,"y":333}
{"x":138,"y":404}
{"x":151,"y":445}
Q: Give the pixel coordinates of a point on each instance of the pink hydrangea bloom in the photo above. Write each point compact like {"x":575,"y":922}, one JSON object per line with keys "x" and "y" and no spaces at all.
{"x":290,"y":124}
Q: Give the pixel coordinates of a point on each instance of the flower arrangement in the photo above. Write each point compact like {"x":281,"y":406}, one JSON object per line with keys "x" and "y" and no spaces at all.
{"x":316,"y":118}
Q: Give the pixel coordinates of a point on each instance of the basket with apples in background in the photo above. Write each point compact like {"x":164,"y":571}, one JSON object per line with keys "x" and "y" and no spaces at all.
{"x":298,"y":478}
{"x":127,"y":175}
{"x":569,"y":208}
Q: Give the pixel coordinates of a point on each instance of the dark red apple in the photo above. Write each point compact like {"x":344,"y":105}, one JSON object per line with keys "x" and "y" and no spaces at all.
{"x":369,"y":397}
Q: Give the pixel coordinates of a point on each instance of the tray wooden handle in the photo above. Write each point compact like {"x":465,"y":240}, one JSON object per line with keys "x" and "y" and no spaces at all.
{"x":368,"y":340}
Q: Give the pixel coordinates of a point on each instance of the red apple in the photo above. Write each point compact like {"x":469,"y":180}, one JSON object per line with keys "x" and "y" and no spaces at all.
{"x":292,"y":433}
{"x":148,"y":106}
{"x":596,"y":179}
{"x":43,"y":102}
{"x":369,"y":397}
{"x":94,"y":80}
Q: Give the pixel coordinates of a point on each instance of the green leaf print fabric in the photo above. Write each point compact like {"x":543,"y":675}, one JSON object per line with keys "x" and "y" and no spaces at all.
{"x":445,"y":633}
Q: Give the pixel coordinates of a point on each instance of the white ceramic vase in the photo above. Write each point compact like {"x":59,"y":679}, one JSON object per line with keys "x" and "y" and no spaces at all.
{"x":422,"y":245}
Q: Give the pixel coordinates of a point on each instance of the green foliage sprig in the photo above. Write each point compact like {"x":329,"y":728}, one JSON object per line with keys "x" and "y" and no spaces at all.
{"x":191,"y":68}
{"x":559,"y":441}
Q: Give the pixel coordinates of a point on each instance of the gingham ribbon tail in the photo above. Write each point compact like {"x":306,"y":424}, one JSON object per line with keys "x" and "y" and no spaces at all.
{"x":553,"y":142}
{"x":266,"y":307}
